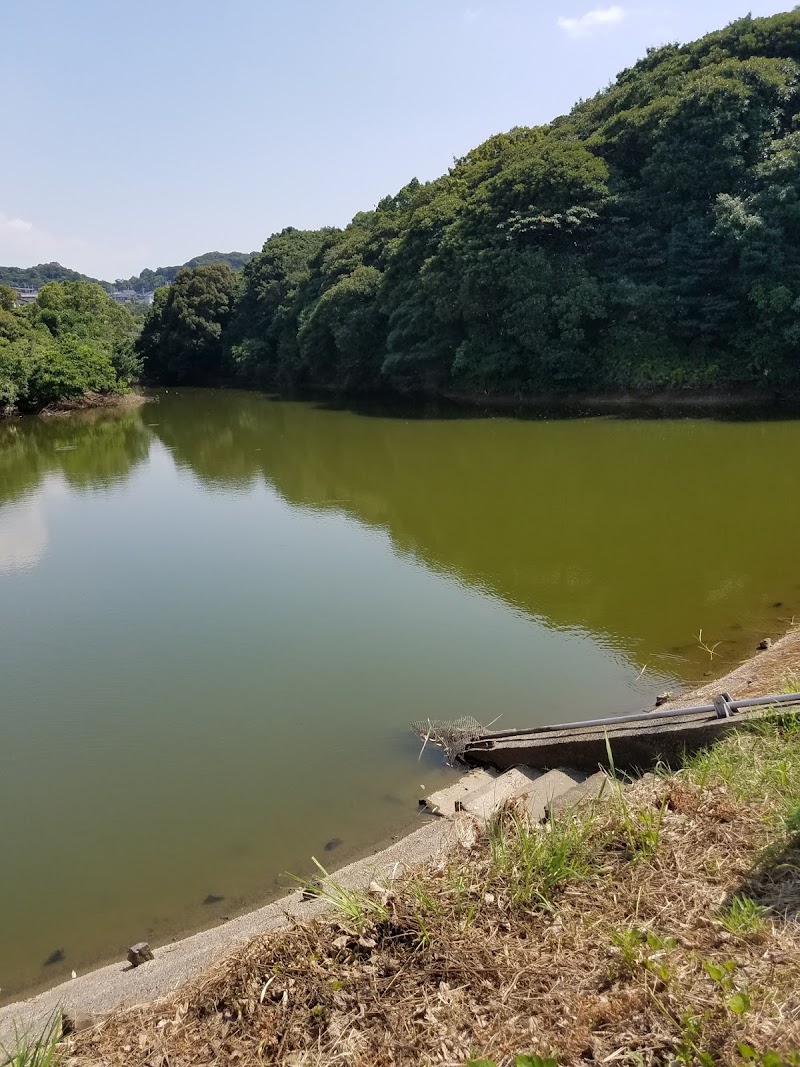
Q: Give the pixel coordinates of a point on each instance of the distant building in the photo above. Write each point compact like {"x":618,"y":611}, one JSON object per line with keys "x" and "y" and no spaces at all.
{"x":25,"y":294}
{"x":130,"y":296}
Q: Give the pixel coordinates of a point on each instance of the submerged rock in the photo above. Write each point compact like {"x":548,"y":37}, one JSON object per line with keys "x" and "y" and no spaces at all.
{"x":212,"y":898}
{"x":56,"y":956}
{"x":139,"y":953}
{"x":332,"y":844}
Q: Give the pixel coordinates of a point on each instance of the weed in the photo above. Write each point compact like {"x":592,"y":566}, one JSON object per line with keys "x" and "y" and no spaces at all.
{"x":628,"y":944}
{"x":721,"y":973}
{"x":767,"y":1059}
{"x":360,"y":908}
{"x":743,"y":916}
{"x":736,"y":1000}
{"x":688,"y":1049}
{"x":642,"y":828}
{"x":532,"y":862}
{"x":41,"y":1051}
{"x":637,"y":949}
{"x":759,"y":764}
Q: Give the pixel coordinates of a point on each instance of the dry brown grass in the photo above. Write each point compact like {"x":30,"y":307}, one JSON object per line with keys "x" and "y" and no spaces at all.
{"x":601,"y":940}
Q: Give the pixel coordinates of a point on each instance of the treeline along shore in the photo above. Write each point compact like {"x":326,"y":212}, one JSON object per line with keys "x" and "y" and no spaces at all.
{"x":647,"y":242}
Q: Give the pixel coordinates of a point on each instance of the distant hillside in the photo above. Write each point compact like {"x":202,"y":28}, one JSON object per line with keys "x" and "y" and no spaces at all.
{"x":153,"y":279}
{"x":37,"y":276}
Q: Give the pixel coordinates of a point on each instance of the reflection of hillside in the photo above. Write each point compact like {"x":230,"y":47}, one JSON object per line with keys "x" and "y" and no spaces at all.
{"x":92,"y":448}
{"x":613,"y":526}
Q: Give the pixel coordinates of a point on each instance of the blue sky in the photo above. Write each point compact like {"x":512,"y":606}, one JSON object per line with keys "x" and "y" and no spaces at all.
{"x":143,"y":134}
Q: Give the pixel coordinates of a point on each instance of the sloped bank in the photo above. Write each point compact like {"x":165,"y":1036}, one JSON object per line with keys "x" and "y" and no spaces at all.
{"x":657,"y":925}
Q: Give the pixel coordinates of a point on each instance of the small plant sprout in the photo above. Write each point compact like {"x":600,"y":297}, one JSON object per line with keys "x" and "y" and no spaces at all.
{"x":743,"y":916}
{"x":737,"y":1000}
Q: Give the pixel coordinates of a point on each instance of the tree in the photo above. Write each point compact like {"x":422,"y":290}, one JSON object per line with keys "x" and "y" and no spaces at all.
{"x":8,"y":298}
{"x":181,"y":340}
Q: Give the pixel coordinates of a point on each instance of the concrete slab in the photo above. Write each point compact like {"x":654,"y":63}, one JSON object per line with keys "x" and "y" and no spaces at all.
{"x":635,"y":745}
{"x":451,"y":799}
{"x":583,"y":793}
{"x":550,"y":786}
{"x":517,"y":782}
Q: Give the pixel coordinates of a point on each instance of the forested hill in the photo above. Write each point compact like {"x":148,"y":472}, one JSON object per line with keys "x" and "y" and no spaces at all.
{"x":35,"y":277}
{"x":148,"y":279}
{"x":649,"y":239}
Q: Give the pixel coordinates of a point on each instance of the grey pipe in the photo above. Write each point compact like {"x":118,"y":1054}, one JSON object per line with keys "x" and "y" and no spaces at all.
{"x":646,"y":716}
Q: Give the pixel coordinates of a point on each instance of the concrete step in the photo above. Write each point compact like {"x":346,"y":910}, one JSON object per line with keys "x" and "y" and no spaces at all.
{"x":583,"y":793}
{"x":451,"y":799}
{"x":481,"y":793}
{"x":518,"y":782}
{"x":548,"y":788}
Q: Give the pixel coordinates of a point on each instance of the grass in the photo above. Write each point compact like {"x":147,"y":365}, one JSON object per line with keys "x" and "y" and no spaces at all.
{"x":39,"y":1051}
{"x":758,"y":765}
{"x":358,"y":907}
{"x":743,"y":916}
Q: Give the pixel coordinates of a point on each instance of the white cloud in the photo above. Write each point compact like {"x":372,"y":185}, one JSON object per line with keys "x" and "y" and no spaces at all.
{"x":23,"y":244}
{"x":592,"y":21}
{"x":16,"y":224}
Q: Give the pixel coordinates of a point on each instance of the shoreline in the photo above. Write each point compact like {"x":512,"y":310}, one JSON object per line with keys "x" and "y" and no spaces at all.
{"x":433,"y":403}
{"x":573,"y":405}
{"x":655,"y":402}
{"x":87,"y":402}
{"x":107,"y":988}
{"x":103,"y":990}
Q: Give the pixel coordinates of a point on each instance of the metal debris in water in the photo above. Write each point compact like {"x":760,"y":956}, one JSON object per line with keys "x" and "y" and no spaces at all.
{"x":452,"y":735}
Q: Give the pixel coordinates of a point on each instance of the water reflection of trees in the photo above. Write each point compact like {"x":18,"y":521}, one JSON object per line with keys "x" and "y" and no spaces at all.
{"x":89,"y":449}
{"x":597,"y":524}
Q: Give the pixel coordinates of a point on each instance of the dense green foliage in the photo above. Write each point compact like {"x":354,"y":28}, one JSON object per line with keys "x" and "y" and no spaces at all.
{"x":146,"y":281}
{"x":649,"y":239}
{"x":74,"y":339}
{"x":187,"y":322}
{"x":36,"y":277}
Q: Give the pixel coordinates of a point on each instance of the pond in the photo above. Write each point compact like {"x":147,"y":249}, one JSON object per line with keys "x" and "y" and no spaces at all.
{"x":220,"y":612}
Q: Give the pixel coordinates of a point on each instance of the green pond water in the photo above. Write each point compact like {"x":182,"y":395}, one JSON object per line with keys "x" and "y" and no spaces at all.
{"x":219,"y":614}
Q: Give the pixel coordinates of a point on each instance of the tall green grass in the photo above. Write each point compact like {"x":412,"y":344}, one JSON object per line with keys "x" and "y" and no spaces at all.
{"x":35,"y":1051}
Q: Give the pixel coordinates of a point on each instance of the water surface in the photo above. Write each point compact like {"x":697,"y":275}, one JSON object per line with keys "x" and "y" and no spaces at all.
{"x":219,"y":613}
